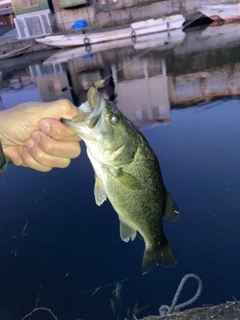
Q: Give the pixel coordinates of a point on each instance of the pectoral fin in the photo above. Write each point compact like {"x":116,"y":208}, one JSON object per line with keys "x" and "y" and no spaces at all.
{"x":99,"y":192}
{"x":128,"y":181}
{"x":171,"y":210}
{"x":126,"y":232}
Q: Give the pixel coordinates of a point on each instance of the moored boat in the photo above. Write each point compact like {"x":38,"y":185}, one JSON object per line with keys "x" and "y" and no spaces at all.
{"x":13,"y":53}
{"x":136,"y":29}
{"x":158,"y":25}
{"x":83,"y":51}
{"x":74,"y":40}
{"x":222,"y":12}
{"x":163,"y":39}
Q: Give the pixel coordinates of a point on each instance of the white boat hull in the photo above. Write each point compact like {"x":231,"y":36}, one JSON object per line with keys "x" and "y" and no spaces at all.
{"x":158,"y":25}
{"x":74,"y":40}
{"x":163,"y":39}
{"x":80,"y":52}
{"x":223,"y":12}
{"x":137,"y":29}
{"x":14,"y":53}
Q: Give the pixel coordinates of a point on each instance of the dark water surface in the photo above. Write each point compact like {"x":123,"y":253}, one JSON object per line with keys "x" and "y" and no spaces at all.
{"x":185,"y":96}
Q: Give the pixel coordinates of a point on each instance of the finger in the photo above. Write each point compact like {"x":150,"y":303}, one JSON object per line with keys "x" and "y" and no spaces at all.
{"x":64,"y":149}
{"x":57,"y":130}
{"x":12,"y":152}
{"x":30,"y":162}
{"x":45,"y":159}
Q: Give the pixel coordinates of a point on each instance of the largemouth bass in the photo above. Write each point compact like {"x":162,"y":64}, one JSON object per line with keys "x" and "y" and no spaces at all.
{"x":127,"y":172}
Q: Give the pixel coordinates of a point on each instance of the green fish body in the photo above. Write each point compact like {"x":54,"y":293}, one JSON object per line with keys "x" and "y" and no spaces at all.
{"x":127,"y":172}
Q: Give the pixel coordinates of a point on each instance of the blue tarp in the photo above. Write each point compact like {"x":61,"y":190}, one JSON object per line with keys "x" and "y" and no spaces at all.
{"x":79,"y":24}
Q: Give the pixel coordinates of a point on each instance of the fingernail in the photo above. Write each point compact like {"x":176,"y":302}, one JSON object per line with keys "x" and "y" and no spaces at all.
{"x":29,"y":144}
{"x":44,"y":126}
{"x":36,"y":137}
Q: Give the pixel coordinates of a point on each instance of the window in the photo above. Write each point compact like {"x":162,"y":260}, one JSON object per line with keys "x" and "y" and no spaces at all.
{"x":29,"y":3}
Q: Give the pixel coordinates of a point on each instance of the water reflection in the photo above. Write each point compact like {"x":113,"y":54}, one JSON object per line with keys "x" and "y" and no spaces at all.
{"x":51,"y":81}
{"x":159,"y":79}
{"x":173,"y":72}
{"x":72,"y":246}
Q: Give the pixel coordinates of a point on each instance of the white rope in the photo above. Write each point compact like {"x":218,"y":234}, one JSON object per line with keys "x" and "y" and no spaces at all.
{"x":164,"y":309}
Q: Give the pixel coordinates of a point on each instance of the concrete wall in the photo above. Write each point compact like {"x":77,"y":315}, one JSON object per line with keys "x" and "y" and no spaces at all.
{"x":65,"y":18}
{"x":125,"y":11}
{"x":122,"y":10}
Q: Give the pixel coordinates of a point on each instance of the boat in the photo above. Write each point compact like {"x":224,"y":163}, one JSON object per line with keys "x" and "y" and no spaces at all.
{"x":86,"y":51}
{"x":160,"y":41}
{"x":214,"y":37}
{"x":163,"y":39}
{"x":85,"y":39}
{"x":135,"y":29}
{"x":13,"y":53}
{"x":222,"y":12}
{"x":158,"y":25}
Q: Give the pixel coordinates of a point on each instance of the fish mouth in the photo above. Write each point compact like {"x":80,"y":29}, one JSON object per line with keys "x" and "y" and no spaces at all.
{"x":95,"y":105}
{"x":90,"y":116}
{"x":96,"y":119}
{"x":78,"y":118}
{"x":93,"y":119}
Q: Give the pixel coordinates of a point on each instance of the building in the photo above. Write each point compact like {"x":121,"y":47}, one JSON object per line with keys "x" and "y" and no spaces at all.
{"x":6,"y":16}
{"x":36,"y":18}
{"x":33,"y":18}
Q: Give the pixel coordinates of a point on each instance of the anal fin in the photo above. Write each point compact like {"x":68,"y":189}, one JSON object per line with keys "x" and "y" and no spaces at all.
{"x":126,"y":232}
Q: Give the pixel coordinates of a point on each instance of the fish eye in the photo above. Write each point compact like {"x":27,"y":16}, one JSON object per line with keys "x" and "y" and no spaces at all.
{"x":114,"y":119}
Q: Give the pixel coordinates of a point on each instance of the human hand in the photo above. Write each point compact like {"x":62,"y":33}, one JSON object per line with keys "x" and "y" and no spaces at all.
{"x":33,"y":136}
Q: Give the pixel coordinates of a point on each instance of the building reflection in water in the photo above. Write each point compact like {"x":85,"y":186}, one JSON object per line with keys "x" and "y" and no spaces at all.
{"x":203,"y":86}
{"x":52,"y":81}
{"x":144,"y":86}
{"x":142,"y":96}
{"x":140,"y":88}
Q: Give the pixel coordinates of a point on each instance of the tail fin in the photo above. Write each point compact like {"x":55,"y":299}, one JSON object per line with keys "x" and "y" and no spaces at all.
{"x":160,"y":254}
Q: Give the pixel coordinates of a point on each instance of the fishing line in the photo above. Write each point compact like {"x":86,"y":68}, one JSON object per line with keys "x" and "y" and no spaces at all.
{"x":130,"y":62}
{"x":147,"y":50}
